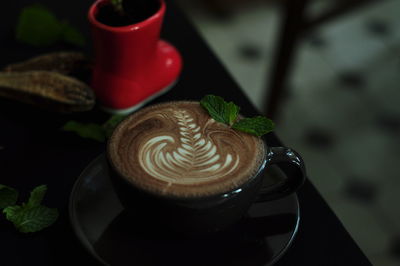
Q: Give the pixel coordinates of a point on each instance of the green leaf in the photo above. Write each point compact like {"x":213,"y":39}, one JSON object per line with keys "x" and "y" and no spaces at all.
{"x":94,"y":131}
{"x":90,"y":130}
{"x":37,"y":196}
{"x":112,"y":123}
{"x":38,"y":26}
{"x":72,"y":35}
{"x":258,"y":125}
{"x":232,"y":112}
{"x":12,"y":212}
{"x":32,"y":219}
{"x":220,"y":110}
{"x":8,"y":196}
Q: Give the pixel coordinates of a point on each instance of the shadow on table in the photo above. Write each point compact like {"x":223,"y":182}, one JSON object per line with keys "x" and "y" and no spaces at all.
{"x":127,"y":242}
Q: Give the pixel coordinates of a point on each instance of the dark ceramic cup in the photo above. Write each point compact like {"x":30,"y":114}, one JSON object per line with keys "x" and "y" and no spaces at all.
{"x":197,"y":216}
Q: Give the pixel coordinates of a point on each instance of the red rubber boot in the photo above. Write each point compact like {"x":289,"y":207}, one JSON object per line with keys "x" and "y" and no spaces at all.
{"x":132,"y":65}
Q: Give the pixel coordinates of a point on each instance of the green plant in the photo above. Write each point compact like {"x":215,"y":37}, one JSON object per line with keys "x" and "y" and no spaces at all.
{"x":30,"y":216}
{"x":118,"y":7}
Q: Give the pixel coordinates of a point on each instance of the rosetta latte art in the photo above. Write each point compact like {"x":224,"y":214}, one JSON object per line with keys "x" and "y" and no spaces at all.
{"x":195,"y":160}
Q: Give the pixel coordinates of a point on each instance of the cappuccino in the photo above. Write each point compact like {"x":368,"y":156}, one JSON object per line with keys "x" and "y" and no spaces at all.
{"x":176,"y":149}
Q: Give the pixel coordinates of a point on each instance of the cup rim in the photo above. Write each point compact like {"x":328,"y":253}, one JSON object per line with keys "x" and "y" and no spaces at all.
{"x":136,"y":26}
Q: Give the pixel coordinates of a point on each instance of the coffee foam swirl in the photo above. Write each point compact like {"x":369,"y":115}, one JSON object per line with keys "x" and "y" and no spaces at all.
{"x":177,"y":149}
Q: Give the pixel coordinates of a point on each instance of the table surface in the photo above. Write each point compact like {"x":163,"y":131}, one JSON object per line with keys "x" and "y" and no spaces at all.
{"x":34,"y":150}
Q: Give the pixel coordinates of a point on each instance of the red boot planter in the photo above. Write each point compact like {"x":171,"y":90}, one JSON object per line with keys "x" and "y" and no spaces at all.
{"x":132,"y":65}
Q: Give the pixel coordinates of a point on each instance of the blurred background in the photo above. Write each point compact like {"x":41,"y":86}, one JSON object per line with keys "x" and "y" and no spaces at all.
{"x":338,"y":104}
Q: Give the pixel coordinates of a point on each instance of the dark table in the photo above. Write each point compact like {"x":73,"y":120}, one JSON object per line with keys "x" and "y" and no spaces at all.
{"x":34,"y":151}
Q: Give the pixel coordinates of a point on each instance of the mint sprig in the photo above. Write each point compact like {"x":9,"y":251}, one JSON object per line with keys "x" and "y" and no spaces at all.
{"x":31,"y":216}
{"x":227,"y":113}
{"x":38,"y":26}
{"x":98,"y":132}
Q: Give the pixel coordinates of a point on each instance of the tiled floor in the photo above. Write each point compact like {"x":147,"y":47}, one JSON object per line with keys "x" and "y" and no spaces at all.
{"x":344,"y":106}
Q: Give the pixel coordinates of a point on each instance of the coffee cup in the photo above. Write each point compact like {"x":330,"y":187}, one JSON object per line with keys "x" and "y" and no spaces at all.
{"x":178,"y":169}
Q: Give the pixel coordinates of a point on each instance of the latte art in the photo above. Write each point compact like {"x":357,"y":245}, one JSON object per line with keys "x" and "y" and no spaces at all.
{"x":177,"y":149}
{"x":195,"y":160}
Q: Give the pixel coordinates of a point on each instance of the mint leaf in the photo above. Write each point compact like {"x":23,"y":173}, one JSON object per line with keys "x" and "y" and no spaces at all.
{"x":111,"y":123}
{"x":38,"y":26}
{"x":215,"y":107}
{"x":94,"y":131}
{"x":12,"y":212}
{"x":232,"y":112}
{"x":8,"y":196}
{"x":37,"y":196}
{"x":31,"y":219}
{"x":258,"y":125}
{"x":90,"y":130}
{"x":220,"y":110}
{"x":72,"y":35}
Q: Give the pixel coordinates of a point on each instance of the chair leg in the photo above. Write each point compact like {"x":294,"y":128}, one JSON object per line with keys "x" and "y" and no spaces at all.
{"x":291,"y":28}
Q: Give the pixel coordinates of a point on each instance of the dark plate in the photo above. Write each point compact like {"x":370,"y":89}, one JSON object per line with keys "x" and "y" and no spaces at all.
{"x":100,"y":223}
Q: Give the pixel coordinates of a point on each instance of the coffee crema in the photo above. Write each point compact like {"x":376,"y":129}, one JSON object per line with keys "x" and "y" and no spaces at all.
{"x":177,"y":149}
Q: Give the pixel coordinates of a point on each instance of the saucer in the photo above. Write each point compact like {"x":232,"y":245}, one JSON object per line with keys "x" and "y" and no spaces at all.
{"x":101,"y":225}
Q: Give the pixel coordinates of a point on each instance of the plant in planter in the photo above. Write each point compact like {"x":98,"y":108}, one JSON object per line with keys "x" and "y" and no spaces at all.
{"x":132,"y":65}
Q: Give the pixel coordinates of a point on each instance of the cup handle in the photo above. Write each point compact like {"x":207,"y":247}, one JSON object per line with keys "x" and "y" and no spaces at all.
{"x":295,"y":174}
